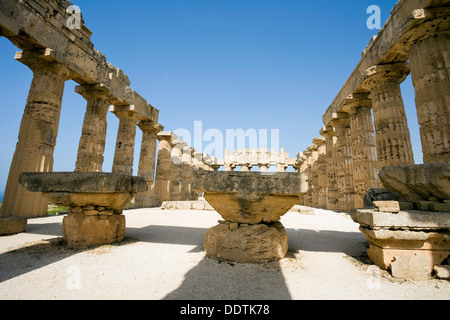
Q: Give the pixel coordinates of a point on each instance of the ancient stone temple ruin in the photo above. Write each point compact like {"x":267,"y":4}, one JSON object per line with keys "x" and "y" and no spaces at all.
{"x":362,"y":162}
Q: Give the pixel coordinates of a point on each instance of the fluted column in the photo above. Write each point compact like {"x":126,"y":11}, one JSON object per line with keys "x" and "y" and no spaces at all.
{"x":126,"y":136}
{"x":93,"y":134}
{"x":363,"y":144}
{"x":348,"y":198}
{"x":37,"y":135}
{"x":430,"y":65}
{"x":328,"y":132}
{"x":164,"y":166}
{"x":321,"y":174}
{"x":147,"y":162}
{"x":176,"y":171}
{"x":392,"y":133}
{"x":187,"y":174}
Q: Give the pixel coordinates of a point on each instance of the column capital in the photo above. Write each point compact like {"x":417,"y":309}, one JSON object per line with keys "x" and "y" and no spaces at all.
{"x":150,"y":126}
{"x":167,"y":136}
{"x":327,"y":131}
{"x":383,"y":73}
{"x":43,"y":59}
{"x":355,"y":101}
{"x":94,"y":91}
{"x":319,"y":141}
{"x":340,"y":119}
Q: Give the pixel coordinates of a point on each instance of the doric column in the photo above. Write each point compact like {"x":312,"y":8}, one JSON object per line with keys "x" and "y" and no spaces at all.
{"x":93,"y":134}
{"x":164,"y":166}
{"x":126,"y":136}
{"x":331,"y":166}
{"x":187,"y":174}
{"x":430,"y":65}
{"x":363,"y":144}
{"x":392,"y":133}
{"x":176,"y":171}
{"x":264,"y":167}
{"x":147,"y":162}
{"x":37,"y":134}
{"x":320,"y":199}
{"x":348,"y":198}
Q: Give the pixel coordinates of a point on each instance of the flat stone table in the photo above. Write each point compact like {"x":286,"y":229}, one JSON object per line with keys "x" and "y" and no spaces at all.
{"x":252,"y":204}
{"x":95,"y":201}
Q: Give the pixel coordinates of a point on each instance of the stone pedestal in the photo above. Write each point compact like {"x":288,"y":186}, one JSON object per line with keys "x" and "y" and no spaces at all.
{"x":95,"y":202}
{"x":247,"y":243}
{"x":252,"y":204}
{"x":397,"y":240}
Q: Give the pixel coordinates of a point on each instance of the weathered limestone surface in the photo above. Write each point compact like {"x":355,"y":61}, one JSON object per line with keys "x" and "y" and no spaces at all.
{"x":95,"y":199}
{"x":409,"y":243}
{"x":37,"y":136}
{"x":147,"y":162}
{"x":247,"y":243}
{"x":419,"y":182}
{"x":430,"y":65}
{"x":391,"y":127}
{"x":164,"y":166}
{"x":93,"y":136}
{"x":252,"y":204}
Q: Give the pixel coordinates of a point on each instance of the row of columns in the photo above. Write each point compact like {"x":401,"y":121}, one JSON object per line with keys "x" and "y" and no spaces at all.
{"x":39,"y":129}
{"x":175,"y":169}
{"x":357,"y":146}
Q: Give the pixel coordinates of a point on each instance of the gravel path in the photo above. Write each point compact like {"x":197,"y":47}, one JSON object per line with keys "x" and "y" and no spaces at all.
{"x":163,"y":258}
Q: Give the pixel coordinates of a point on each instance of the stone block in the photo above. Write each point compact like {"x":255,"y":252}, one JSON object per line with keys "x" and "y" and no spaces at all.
{"x":411,"y":266}
{"x":443,"y":207}
{"x":442,"y":272}
{"x":198,"y":205}
{"x":184,"y":205}
{"x":418,"y":182}
{"x":251,"y":244}
{"x":410,"y":219}
{"x":387,"y":206}
{"x":12,"y":225}
{"x":80,"y":230}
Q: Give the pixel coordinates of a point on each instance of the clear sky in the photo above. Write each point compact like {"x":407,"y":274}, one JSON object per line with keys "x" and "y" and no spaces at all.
{"x":250,"y":64}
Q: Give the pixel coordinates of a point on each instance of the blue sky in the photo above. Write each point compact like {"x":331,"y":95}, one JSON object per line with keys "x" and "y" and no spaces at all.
{"x":250,"y":64}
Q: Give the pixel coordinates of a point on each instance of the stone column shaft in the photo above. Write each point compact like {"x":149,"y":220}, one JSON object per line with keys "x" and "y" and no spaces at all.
{"x":331,"y":167}
{"x":392,"y":133}
{"x":348,"y":198}
{"x":37,"y":137}
{"x":164,"y":166}
{"x":147,"y":162}
{"x":126,"y":135}
{"x":430,"y":71}
{"x":363,"y":143}
{"x":93,"y":136}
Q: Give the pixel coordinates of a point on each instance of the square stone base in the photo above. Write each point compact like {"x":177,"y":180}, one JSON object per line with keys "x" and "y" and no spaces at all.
{"x":81,"y":230}
{"x":12,"y":225}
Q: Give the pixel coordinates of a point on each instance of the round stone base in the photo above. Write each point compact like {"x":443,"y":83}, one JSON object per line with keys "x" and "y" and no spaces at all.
{"x":81,"y":230}
{"x":247,"y":243}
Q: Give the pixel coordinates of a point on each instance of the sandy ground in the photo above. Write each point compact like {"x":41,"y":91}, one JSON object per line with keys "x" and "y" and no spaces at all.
{"x":163,"y":258}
